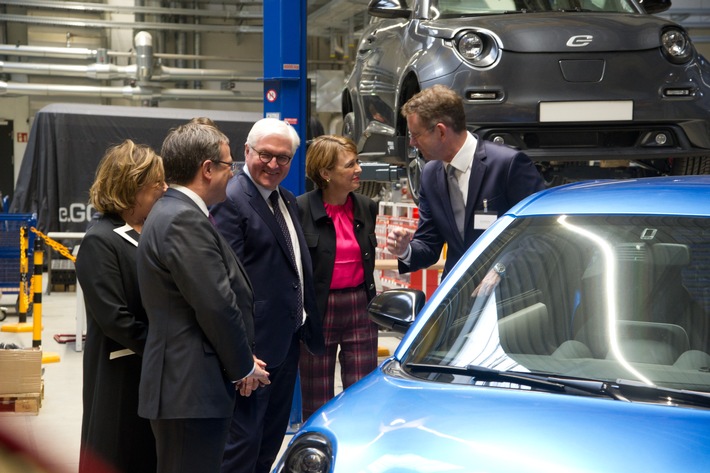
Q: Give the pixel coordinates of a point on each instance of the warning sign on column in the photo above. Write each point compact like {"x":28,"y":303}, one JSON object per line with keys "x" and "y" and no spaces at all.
{"x":271,"y":95}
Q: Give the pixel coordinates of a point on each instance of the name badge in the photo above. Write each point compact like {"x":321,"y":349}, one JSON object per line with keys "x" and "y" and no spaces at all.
{"x":483,"y":220}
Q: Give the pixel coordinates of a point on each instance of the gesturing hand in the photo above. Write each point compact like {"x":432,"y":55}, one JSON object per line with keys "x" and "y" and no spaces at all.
{"x":398,"y":241}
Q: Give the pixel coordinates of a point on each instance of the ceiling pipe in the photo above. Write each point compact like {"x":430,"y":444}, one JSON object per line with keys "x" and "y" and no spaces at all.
{"x":180,"y":42}
{"x":125,"y":92}
{"x":46,"y":51}
{"x":197,"y":49}
{"x":84,"y":53}
{"x":93,"y":71}
{"x":174,"y":73}
{"x":113,"y":72}
{"x":143,"y":45}
{"x":204,"y":28}
{"x":142,"y":71}
{"x":137,"y":9}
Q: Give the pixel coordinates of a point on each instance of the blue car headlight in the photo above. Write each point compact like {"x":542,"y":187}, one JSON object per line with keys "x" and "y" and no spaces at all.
{"x":477,"y":48}
{"x":676,"y":45}
{"x":309,"y":453}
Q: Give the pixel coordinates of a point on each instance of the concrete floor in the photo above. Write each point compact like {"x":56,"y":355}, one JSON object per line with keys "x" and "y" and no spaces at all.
{"x":54,"y":433}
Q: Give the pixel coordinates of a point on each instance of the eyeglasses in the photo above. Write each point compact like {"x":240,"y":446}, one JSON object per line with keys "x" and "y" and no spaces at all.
{"x":266,"y":157}
{"x":416,"y":136}
{"x":232,"y":165}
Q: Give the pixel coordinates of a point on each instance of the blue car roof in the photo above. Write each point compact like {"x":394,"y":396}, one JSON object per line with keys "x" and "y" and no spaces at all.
{"x":677,"y":195}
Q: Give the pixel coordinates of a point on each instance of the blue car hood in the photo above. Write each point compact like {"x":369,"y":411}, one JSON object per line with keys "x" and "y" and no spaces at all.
{"x":392,"y":424}
{"x":550,"y":32}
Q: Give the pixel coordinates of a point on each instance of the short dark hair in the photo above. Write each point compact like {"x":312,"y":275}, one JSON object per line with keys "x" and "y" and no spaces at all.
{"x":437,"y":104}
{"x":186,"y":147}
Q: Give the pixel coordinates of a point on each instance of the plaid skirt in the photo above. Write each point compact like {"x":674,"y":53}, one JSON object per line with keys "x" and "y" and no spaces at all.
{"x":348,"y":327}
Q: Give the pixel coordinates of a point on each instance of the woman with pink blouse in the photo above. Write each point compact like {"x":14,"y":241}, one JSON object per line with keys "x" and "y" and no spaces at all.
{"x":339,"y":227}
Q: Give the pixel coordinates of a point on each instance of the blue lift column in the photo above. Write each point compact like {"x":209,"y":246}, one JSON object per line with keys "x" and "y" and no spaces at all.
{"x":285,"y":87}
{"x":285,"y":81}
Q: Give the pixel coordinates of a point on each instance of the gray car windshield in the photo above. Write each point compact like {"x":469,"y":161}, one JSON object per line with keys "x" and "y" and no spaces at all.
{"x":458,"y":8}
{"x":599,"y":297}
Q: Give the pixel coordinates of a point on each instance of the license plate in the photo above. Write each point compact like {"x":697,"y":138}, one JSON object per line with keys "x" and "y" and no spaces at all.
{"x":587,"y":111}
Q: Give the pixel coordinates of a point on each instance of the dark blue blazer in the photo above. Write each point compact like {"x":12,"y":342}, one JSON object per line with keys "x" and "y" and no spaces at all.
{"x":248,"y":224}
{"x":500,"y":175}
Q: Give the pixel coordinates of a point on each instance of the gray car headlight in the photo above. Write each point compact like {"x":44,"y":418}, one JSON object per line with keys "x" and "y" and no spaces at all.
{"x":471,"y":46}
{"x":676,"y":45}
{"x":309,"y":453}
{"x":477,"y":48}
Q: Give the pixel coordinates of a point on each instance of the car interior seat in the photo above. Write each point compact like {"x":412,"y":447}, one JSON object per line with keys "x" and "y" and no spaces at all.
{"x":537,"y":295}
{"x":650,"y":342}
{"x":525,"y":331}
{"x":670,"y":301}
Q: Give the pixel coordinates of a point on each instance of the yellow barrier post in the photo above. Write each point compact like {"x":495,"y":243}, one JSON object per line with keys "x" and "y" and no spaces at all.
{"x":37,"y":296}
{"x":22,"y":299}
{"x":24,"y":265}
{"x":47,"y":357}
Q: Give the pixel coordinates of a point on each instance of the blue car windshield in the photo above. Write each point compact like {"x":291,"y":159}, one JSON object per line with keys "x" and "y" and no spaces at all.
{"x":600,"y":297}
{"x":459,"y":8}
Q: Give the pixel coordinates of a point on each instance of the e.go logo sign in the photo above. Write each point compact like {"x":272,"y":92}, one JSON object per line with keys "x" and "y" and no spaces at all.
{"x":580,"y":41}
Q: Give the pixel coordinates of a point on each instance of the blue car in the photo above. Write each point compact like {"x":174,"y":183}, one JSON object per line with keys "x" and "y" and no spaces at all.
{"x":574,"y":336}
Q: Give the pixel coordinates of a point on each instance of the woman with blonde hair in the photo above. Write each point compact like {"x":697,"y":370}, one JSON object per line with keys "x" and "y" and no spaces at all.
{"x":129,"y":180}
{"x":339,"y":227}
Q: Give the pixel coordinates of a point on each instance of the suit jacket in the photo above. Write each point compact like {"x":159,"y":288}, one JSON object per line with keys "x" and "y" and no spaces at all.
{"x":500,"y":175}
{"x":247,"y":222}
{"x":199,"y":304}
{"x":320,"y":236}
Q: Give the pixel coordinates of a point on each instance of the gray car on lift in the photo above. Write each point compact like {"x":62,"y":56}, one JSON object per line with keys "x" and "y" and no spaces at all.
{"x":587,"y":88}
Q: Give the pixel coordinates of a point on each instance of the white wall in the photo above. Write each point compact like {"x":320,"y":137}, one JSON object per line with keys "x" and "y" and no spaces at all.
{"x":17,"y":110}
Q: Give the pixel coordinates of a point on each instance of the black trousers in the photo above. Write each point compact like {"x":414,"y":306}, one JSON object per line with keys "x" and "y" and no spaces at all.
{"x":190,"y":445}
{"x":260,"y":420}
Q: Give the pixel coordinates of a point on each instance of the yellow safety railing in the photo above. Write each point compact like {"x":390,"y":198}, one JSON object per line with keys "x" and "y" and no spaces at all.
{"x":34,"y":287}
{"x":58,"y":247}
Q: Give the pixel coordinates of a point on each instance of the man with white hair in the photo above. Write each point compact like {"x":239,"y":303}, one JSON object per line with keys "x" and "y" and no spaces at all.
{"x":260,"y":220}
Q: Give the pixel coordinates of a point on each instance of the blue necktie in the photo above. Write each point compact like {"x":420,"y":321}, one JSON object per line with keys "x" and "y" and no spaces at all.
{"x":274,"y":199}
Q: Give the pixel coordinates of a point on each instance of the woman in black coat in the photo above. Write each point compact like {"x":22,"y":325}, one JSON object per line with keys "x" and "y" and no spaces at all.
{"x":339,"y":227}
{"x":129,"y":179}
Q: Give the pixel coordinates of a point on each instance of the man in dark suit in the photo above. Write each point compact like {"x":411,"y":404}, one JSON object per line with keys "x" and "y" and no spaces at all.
{"x":199,"y":303}
{"x":260,"y":220}
{"x":465,"y":186}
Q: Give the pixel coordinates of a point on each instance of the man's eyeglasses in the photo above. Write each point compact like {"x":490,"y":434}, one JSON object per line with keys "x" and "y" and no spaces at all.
{"x":416,"y":136}
{"x":232,"y":166}
{"x":266,"y":157}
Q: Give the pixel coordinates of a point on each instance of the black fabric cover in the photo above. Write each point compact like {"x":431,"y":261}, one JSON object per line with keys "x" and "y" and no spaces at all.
{"x":67,"y":141}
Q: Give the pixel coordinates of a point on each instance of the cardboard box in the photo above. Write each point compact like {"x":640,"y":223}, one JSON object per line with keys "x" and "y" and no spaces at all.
{"x":20,"y":371}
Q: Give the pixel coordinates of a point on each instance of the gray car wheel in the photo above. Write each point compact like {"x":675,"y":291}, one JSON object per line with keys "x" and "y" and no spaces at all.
{"x":349,"y":125}
{"x":371,"y":189}
{"x":692,"y":165}
{"x":415,"y":165}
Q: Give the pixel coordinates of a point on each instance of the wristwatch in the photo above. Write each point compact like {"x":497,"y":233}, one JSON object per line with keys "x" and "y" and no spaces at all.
{"x":500,"y":269}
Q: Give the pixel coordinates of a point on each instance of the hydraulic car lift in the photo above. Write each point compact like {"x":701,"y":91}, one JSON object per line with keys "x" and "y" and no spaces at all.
{"x":285,"y":80}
